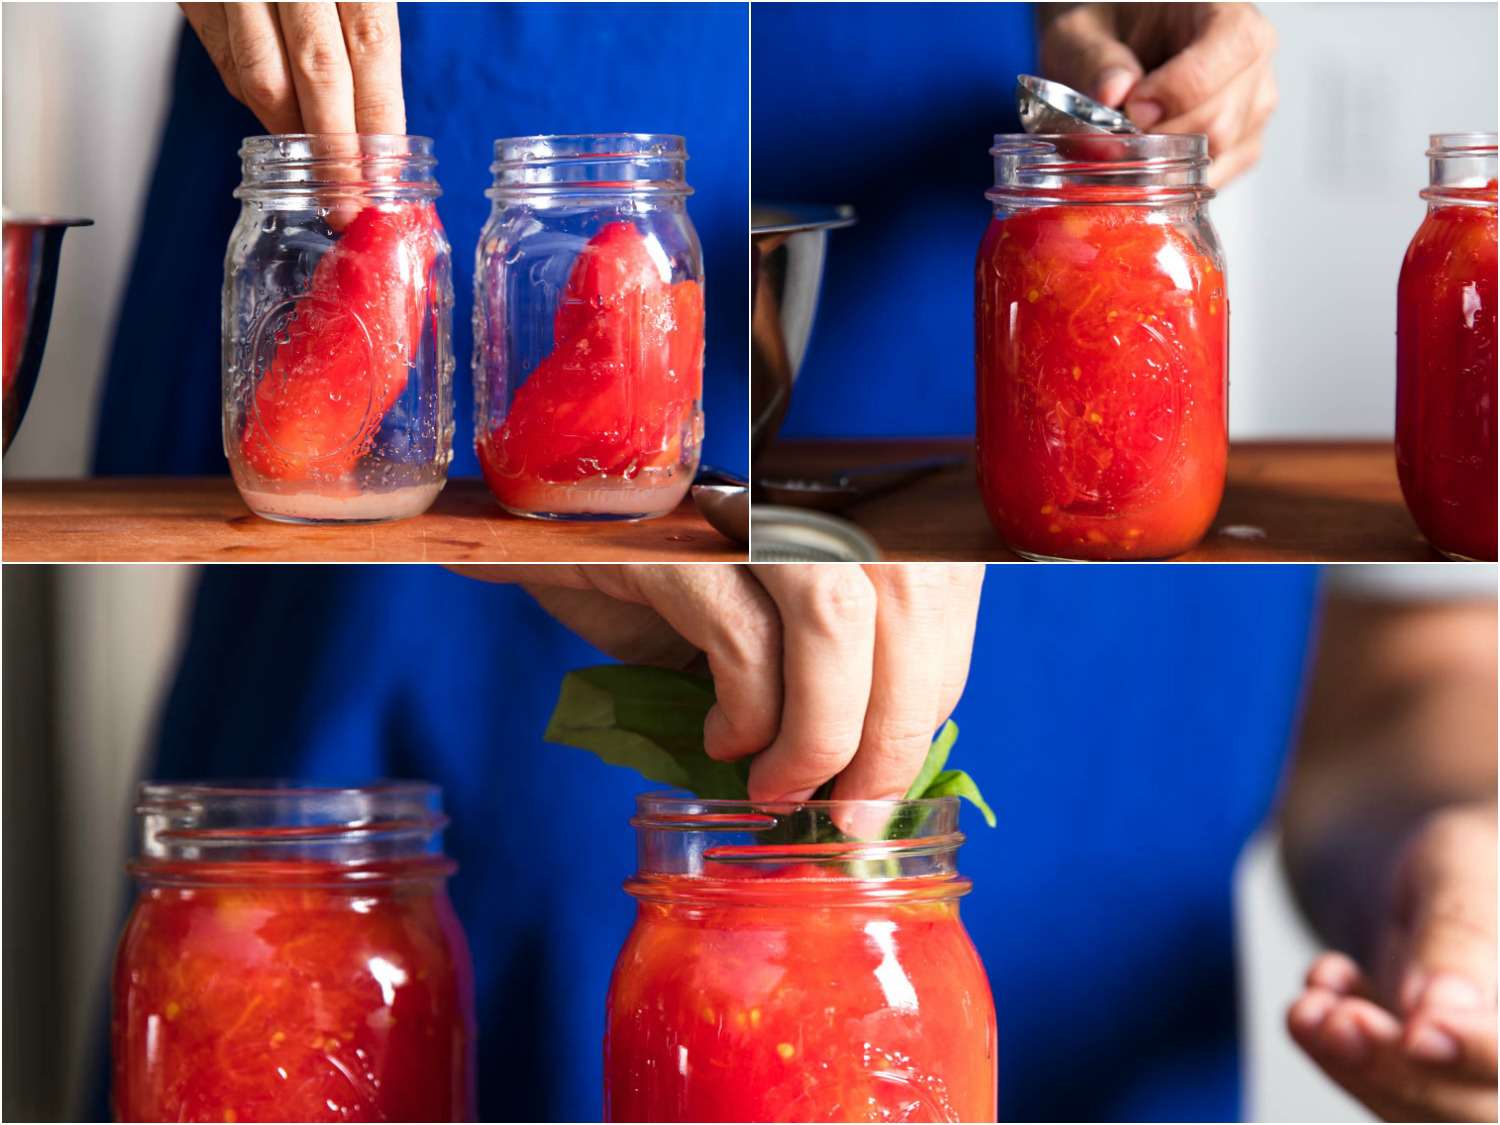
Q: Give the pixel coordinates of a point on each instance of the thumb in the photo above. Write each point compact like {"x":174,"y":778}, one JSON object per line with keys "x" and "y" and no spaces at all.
{"x":1450,"y":944}
{"x":1082,"y":52}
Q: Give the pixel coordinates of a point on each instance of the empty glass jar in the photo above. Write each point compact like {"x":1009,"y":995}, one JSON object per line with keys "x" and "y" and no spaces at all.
{"x":338,"y":306}
{"x":588,"y":328}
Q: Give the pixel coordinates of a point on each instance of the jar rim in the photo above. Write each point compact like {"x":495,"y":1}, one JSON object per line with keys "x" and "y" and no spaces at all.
{"x":1139,"y":169}
{"x":1462,"y":144}
{"x":511,"y":151}
{"x":669,"y":800}
{"x":261,"y":820}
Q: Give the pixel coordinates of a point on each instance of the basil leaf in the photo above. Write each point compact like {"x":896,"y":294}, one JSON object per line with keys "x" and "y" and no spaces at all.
{"x":937,"y":758}
{"x":956,"y":783}
{"x":646,"y":719}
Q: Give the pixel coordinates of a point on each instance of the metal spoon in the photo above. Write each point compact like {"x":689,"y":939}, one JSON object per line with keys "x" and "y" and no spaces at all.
{"x":1051,"y":107}
{"x":833,"y":492}
{"x":723,"y":499}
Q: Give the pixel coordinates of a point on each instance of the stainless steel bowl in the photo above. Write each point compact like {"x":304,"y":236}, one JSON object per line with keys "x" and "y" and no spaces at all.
{"x":788,"y":244}
{"x":32,"y":248}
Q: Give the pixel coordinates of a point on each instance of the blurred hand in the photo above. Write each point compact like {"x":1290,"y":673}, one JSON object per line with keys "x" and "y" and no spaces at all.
{"x":821,"y":671}
{"x":1414,"y":1039}
{"x":1176,"y":68}
{"x":308,"y":68}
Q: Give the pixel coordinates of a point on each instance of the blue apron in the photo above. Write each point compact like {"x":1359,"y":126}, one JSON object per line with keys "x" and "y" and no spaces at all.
{"x":472,"y":72}
{"x":892,"y":108}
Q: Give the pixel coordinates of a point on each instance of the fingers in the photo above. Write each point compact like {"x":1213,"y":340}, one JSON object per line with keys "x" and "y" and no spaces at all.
{"x":210,"y":23}
{"x":320,"y":69}
{"x":372,"y":38}
{"x":1231,"y":114}
{"x":1081,"y":49}
{"x":828,"y":616}
{"x":265,"y":77}
{"x":911,"y":603}
{"x":1464,"y":1042}
{"x":727,"y":615}
{"x":1437,"y":1064}
{"x":1446,"y":911}
{"x":1231,"y":40}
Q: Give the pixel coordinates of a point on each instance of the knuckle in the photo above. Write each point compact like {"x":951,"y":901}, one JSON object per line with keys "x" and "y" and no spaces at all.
{"x":366,"y":30}
{"x":321,"y":63}
{"x":261,"y":89}
{"x":378,"y":105}
{"x":839,"y":601}
{"x":901,"y":733}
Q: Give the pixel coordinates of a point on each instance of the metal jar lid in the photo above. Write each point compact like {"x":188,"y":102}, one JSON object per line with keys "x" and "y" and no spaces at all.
{"x":780,"y":534}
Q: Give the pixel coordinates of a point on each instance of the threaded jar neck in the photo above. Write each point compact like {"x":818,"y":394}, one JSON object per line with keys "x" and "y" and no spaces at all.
{"x":1461,"y":169}
{"x":270,"y":831}
{"x":826,"y":852}
{"x":366,"y":166}
{"x":588,"y":165}
{"x":1100,"y":168}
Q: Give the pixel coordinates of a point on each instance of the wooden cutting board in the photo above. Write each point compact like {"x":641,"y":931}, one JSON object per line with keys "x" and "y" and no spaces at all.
{"x":203,"y":519}
{"x":1285,"y":501}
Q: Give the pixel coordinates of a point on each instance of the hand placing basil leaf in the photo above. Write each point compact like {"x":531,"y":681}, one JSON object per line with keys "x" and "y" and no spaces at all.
{"x":651,"y":720}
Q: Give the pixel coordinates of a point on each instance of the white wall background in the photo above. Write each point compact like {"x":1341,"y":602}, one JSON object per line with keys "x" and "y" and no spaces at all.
{"x":85,"y":95}
{"x":1314,"y":236}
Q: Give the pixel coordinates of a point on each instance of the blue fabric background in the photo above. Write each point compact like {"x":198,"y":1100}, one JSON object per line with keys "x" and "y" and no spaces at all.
{"x":1127,"y":724}
{"x":472,"y":72}
{"x":893,"y":108}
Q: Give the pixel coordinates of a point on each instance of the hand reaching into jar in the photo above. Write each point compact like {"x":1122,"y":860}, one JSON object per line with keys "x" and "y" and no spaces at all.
{"x":1176,"y":68}
{"x":1389,"y":840}
{"x":308,"y":68}
{"x":820,"y":671}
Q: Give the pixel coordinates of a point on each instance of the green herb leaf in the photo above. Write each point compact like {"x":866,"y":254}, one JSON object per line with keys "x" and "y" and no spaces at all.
{"x":646,"y":719}
{"x":956,"y":783}
{"x":651,"y":720}
{"x":937,"y":758}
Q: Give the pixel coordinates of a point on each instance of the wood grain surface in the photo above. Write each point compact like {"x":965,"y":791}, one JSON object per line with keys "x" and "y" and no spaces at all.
{"x":1285,"y":501}
{"x":203,"y":519}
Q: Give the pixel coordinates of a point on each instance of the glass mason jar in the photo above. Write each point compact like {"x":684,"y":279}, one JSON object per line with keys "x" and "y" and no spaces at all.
{"x":338,"y":312}
{"x":588,"y":328}
{"x":1102,"y":331}
{"x":782,"y":970}
{"x":1445,"y":352}
{"x":292,"y":956}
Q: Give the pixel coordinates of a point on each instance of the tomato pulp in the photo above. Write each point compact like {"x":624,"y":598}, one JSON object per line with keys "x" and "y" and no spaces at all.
{"x":799,"y":998}
{"x":617,"y":396}
{"x":1445,"y":376}
{"x":292,"y":994}
{"x":341,"y":360}
{"x":1102,"y":382}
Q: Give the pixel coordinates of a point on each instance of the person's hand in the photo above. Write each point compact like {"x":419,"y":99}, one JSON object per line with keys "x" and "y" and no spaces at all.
{"x":1413,"y":1038}
{"x":308,"y":68}
{"x":820,"y":671}
{"x":1176,"y":68}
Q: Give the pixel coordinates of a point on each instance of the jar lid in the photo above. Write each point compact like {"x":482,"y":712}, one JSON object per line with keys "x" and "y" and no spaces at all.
{"x":779,"y":534}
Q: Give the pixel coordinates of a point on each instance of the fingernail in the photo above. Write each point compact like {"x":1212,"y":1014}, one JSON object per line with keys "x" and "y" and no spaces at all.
{"x":1335,"y":972}
{"x":1432,"y":1044}
{"x":1451,"y":991}
{"x":1411,"y":989}
{"x":1112,"y":84}
{"x":1344,"y":1038}
{"x":1312,"y":1009}
{"x":1144,"y":113}
{"x":796,"y":797}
